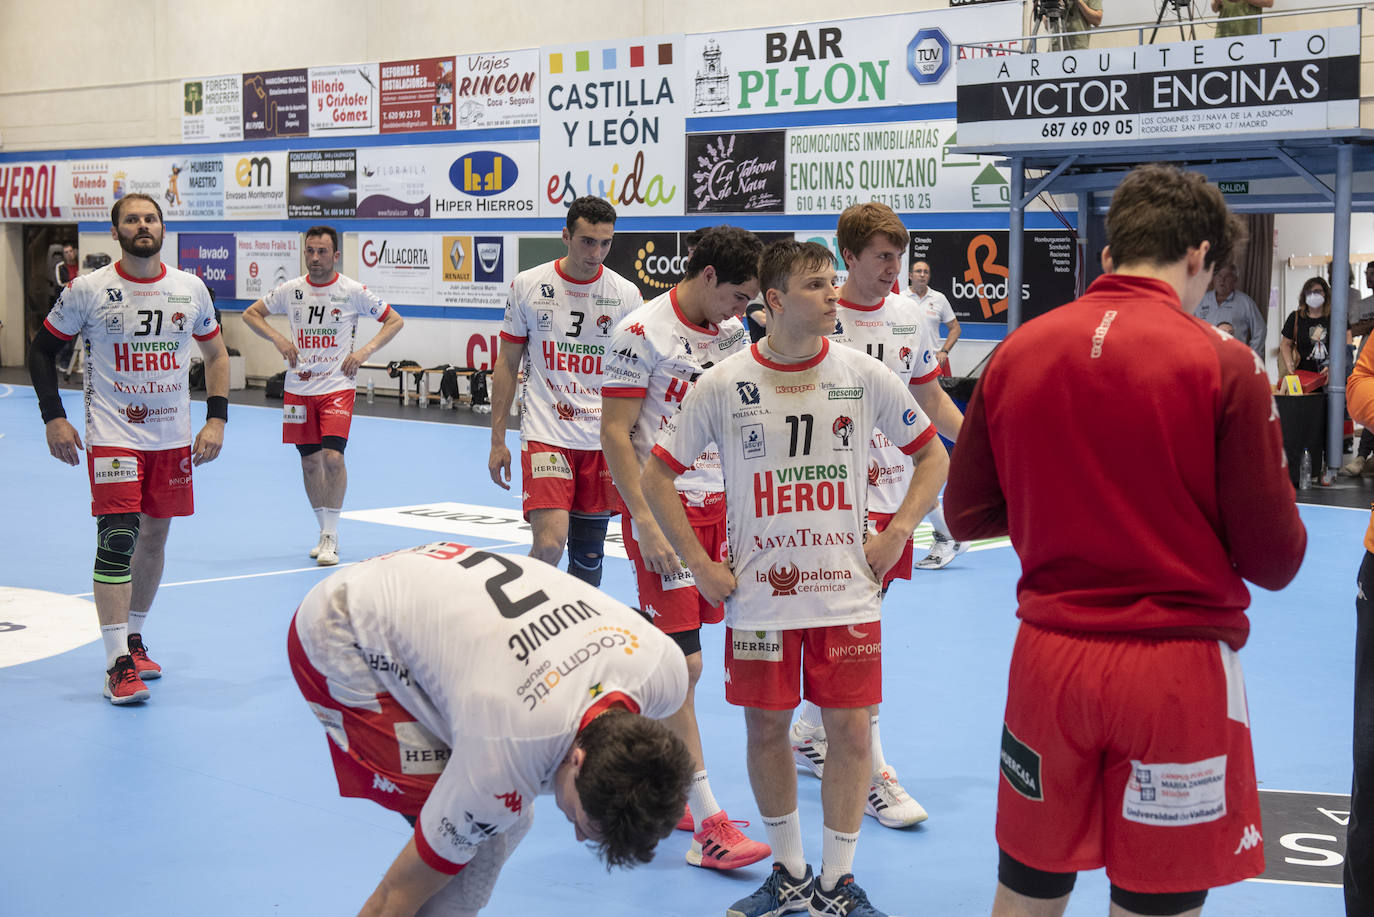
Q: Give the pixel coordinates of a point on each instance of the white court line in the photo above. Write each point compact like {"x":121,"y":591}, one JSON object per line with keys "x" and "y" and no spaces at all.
{"x":1296,"y":882}
{"x":6,"y":389}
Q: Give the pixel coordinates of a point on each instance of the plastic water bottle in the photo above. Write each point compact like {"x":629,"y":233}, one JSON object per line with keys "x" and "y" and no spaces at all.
{"x":371,"y":391}
{"x":1305,"y":470}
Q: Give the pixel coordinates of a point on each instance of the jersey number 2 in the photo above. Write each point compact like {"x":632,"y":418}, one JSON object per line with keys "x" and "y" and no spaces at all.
{"x":509,"y":608}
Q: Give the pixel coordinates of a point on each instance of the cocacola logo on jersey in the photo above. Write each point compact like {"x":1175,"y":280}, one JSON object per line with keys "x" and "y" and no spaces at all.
{"x":789,"y":579}
{"x":146,"y":357}
{"x":804,"y":489}
{"x":141,"y":413}
{"x":804,"y":538}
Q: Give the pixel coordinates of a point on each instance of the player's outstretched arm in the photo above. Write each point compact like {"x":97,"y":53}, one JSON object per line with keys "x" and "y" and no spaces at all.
{"x":715,"y":580}
{"x":63,"y":441}
{"x":503,"y":376}
{"x":407,"y":885}
{"x":618,"y":417}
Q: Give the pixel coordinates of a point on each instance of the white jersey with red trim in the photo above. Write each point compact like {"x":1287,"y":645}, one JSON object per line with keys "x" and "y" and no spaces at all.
{"x":497,"y":656}
{"x":137,"y":338}
{"x":794,"y":451}
{"x":657,"y":355}
{"x":935,"y":311}
{"x":893,"y":332}
{"x":566,"y":326}
{"x":324,"y":323}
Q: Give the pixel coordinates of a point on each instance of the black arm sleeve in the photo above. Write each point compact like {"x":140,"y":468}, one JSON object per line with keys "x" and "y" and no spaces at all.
{"x":43,"y":372}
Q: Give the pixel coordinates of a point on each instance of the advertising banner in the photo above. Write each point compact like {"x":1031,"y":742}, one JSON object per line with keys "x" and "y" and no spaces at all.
{"x":393,"y":182}
{"x":397,"y":266}
{"x":970,"y":267}
{"x":195,"y":188}
{"x":611,"y":125}
{"x":212,"y":109}
{"x":34,"y":191}
{"x":276,"y":103}
{"x":210,"y":256}
{"x":473,"y":270}
{"x":491,"y":179}
{"x":343,"y":100}
{"x":255,"y":186}
{"x":90,"y":188}
{"x":656,"y":261}
{"x":417,"y":95}
{"x":498,"y":90}
{"x":323,"y":183}
{"x":265,"y":261}
{"x":1256,"y":84}
{"x":737,"y":172}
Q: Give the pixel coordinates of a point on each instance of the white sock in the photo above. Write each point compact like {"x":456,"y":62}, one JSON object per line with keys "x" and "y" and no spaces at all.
{"x":936,"y":518}
{"x":319,"y":516}
{"x":784,"y":836}
{"x":137,"y":620}
{"x":811,"y":717}
{"x":116,"y":637}
{"x":700,"y":798}
{"x":879,"y":762}
{"x":329,"y":520}
{"x":837,"y":857}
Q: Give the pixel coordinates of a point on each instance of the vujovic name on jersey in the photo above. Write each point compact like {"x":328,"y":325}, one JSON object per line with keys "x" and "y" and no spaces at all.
{"x":137,"y":338}
{"x":894,"y":333}
{"x":324,"y":323}
{"x":658,"y":355}
{"x":566,"y":326}
{"x":794,"y":448}
{"x":498,"y":657}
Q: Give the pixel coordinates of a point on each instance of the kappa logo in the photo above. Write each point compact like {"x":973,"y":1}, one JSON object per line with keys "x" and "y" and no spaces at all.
{"x":748,"y":392}
{"x":843,"y":428}
{"x":636,"y":329}
{"x":1249,"y":839}
{"x":386,"y":786}
{"x":511,"y":801}
{"x":546,"y":290}
{"x":784,"y":579}
{"x":652,"y":612}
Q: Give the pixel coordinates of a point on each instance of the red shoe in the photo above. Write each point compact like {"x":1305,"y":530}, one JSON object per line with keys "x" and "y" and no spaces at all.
{"x":685,"y":823}
{"x":122,"y":684}
{"x":144,"y":666}
{"x":721,"y":845}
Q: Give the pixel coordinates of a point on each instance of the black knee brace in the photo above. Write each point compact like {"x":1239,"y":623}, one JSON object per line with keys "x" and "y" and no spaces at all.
{"x":586,"y":545}
{"x":689,"y":641}
{"x":1031,"y":882}
{"x":337,"y":443}
{"x":116,"y":536}
{"x":1162,"y":904}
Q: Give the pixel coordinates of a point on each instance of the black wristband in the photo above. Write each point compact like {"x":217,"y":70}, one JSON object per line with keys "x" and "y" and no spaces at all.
{"x":217,"y":407}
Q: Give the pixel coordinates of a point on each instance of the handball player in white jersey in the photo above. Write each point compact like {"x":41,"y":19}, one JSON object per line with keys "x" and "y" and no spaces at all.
{"x":657,"y":354}
{"x":792,"y":417}
{"x":322,"y":309}
{"x":137,"y":318}
{"x":455,"y":685}
{"x":558,"y":323}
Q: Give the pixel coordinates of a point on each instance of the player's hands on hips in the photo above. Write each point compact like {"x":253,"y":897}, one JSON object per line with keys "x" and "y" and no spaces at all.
{"x":715,"y":582}
{"x":881,"y":550}
{"x":287,"y":350}
{"x":942,"y":358}
{"x":208,"y":442}
{"x":654,"y":548}
{"x":352,"y":362}
{"x":63,"y":441}
{"x":498,"y":464}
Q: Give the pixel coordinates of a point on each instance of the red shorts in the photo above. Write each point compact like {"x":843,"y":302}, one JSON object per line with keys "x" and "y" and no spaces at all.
{"x":672,"y":601}
{"x":576,"y":480}
{"x":902,"y":568}
{"x":157,"y":484}
{"x":307,"y":419}
{"x":1132,"y":754}
{"x":944,"y":369}
{"x":363,"y":743}
{"x":842,"y":666}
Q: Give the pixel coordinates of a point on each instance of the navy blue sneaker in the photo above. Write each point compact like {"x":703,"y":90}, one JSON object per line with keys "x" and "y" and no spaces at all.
{"x":780,"y":893}
{"x":846,"y":900}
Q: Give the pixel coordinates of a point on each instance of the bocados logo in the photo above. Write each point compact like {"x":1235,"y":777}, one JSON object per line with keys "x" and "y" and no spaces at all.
{"x":483,"y":173}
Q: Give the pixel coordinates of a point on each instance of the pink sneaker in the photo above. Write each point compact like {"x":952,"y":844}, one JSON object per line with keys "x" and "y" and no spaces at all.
{"x":685,"y":823}
{"x":721,"y":845}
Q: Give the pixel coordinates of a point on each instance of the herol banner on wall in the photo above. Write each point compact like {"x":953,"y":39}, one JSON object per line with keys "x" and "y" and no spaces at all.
{"x":397,"y":266}
{"x":324,"y":183}
{"x":255,"y":186}
{"x":488,"y":179}
{"x":497,"y":90}
{"x":417,"y":95}
{"x":970,"y":267}
{"x":393,"y":182}
{"x":737,"y":172}
{"x":212,"y":109}
{"x":472,"y":271}
{"x":611,"y":125}
{"x":211,"y":257}
{"x":266,"y":260}
{"x":276,"y":103}
{"x":343,"y":100}
{"x":33,"y":191}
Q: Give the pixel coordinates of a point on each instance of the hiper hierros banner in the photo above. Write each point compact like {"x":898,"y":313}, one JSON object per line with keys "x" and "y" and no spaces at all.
{"x":611,"y":125}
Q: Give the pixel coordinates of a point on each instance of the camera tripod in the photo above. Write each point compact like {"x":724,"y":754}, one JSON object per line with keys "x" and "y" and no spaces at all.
{"x":1051,"y":13}
{"x":1179,"y":6}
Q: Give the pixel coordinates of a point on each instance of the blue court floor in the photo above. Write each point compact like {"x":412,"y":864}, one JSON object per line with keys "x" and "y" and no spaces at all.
{"x":216,"y":797}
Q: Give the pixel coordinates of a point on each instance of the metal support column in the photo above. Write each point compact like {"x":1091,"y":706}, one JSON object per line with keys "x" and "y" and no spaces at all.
{"x":1015,"y":250}
{"x":1340,"y":309}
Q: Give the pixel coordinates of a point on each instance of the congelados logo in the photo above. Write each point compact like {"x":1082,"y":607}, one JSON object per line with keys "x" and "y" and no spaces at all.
{"x":790,"y":579}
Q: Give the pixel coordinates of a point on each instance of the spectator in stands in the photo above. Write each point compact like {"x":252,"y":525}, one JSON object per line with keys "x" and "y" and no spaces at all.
{"x":1239,"y":17}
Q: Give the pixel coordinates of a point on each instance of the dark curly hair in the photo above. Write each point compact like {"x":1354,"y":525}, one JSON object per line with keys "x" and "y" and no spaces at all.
{"x":732,"y":251}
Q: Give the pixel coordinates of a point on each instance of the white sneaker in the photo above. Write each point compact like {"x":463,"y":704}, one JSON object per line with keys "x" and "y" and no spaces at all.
{"x":315,"y":551}
{"x":329,"y":550}
{"x":942,"y":551}
{"x":808,"y":748}
{"x":890,"y":803}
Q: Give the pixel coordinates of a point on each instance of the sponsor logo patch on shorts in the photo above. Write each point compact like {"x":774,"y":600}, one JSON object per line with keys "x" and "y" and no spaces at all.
{"x":550,"y":465}
{"x":115,"y":469}
{"x":1173,"y":795}
{"x":332,"y":721}
{"x":755,"y":646}
{"x":293,"y":413}
{"x":420,"y":752}
{"x":1021,"y":766}
{"x":678,"y":579}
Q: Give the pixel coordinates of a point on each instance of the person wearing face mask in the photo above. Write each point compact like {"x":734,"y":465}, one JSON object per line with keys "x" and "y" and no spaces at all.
{"x":1232,"y":311}
{"x":1305,"y":342}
